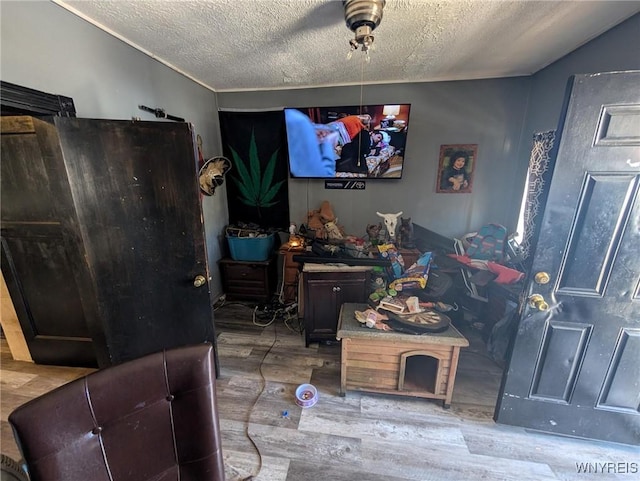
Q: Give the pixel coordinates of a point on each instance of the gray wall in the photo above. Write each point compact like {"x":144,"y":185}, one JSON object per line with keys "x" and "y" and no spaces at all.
{"x":489,"y":113}
{"x":616,"y":50}
{"x":47,"y":48}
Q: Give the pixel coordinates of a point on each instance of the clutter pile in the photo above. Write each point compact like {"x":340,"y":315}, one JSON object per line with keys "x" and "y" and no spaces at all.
{"x":249,"y":242}
{"x":327,"y":237}
{"x":247,"y":230}
{"x":397,"y":292}
{"x":397,"y":299}
{"x":414,"y":298}
{"x":490,"y":249}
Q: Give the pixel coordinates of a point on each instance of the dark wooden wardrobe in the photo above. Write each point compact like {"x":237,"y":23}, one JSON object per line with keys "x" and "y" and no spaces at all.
{"x":103,"y":245}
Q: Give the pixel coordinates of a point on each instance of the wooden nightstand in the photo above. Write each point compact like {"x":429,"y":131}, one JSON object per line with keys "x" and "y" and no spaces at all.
{"x":248,"y":280}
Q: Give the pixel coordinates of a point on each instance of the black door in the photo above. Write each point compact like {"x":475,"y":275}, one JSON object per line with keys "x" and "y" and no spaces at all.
{"x":137,"y":226}
{"x":575,"y":364}
{"x":43,"y":258}
{"x":137,"y":200}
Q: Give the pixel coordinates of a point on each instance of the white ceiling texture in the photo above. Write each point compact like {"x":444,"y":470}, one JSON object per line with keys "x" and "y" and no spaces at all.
{"x":235,"y":45}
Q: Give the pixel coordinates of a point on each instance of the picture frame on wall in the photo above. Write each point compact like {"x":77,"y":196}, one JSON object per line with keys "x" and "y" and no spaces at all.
{"x":456,"y":167}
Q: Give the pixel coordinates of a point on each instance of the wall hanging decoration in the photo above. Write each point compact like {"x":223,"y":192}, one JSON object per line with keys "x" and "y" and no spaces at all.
{"x":255,"y":142}
{"x":541,"y":164}
{"x":160,"y":113}
{"x":211,"y":174}
{"x":456,"y":167}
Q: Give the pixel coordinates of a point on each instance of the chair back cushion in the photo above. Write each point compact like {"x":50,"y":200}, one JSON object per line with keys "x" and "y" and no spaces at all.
{"x":151,"y":418}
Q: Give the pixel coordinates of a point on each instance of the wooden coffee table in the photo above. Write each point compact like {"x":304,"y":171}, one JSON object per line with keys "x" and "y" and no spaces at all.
{"x":394,"y":363}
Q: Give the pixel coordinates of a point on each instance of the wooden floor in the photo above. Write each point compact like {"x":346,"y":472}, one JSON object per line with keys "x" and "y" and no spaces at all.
{"x":363,"y":437}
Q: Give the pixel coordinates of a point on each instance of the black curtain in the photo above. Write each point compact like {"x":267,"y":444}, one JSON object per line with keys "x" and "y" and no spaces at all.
{"x":257,"y":191}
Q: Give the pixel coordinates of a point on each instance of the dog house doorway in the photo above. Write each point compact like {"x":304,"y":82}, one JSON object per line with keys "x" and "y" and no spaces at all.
{"x":420,"y":371}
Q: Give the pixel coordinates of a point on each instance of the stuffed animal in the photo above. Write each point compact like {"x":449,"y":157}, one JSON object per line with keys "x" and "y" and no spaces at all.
{"x":314,"y":223}
{"x":333,"y":231}
{"x":326,"y":212}
{"x":324,"y":222}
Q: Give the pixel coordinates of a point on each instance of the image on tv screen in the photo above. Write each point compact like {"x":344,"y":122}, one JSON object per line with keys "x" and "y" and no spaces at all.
{"x":362,"y":141}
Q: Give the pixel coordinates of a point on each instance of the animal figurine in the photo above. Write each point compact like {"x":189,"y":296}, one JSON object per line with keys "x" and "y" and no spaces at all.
{"x":373,"y":231}
{"x":391,"y":223}
{"x":405,"y":236}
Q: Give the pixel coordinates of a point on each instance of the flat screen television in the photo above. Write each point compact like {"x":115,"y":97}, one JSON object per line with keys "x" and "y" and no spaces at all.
{"x":361,"y":141}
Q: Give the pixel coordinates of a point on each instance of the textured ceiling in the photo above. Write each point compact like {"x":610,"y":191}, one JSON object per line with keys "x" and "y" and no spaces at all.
{"x":230,"y":45}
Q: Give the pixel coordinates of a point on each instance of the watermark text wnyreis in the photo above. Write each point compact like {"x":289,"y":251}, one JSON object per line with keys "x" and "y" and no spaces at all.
{"x":608,"y":468}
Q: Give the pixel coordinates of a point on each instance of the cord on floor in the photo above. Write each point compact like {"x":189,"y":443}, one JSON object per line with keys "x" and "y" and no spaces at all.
{"x":277,"y":311}
{"x":263,"y":386}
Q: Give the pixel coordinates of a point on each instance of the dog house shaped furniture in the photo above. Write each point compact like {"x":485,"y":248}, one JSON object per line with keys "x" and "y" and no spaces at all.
{"x":394,"y":363}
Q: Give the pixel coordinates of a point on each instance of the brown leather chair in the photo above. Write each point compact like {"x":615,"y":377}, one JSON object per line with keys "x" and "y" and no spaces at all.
{"x":152,"y":418}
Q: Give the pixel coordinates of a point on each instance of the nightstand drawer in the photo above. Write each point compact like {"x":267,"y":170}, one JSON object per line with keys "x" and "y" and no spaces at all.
{"x":245,"y":272}
{"x":248,"y":280}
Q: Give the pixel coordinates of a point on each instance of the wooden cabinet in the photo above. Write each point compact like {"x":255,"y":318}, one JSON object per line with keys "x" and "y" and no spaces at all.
{"x":325,"y":290}
{"x":248,"y":280}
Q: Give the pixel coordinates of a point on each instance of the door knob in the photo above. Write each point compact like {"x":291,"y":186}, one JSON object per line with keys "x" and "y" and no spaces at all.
{"x":538,"y":302}
{"x":199,"y":281}
{"x":542,"y":278}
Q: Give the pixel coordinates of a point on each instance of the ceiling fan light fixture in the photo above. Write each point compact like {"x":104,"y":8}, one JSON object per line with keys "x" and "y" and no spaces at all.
{"x":362,"y":17}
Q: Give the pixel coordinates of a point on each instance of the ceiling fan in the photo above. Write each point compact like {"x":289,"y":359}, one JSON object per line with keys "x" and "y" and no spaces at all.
{"x":362,"y":17}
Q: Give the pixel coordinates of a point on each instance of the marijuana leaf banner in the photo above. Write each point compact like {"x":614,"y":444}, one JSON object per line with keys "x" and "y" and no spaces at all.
{"x":257,"y":183}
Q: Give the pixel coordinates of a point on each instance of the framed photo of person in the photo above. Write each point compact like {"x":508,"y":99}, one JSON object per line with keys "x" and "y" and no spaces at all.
{"x":455,"y":168}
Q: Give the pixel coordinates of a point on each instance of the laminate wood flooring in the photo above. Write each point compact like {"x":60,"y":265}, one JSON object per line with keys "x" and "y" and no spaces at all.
{"x":363,"y":437}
